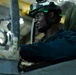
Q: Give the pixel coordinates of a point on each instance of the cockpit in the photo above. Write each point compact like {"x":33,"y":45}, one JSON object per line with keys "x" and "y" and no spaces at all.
{"x":17,"y":27}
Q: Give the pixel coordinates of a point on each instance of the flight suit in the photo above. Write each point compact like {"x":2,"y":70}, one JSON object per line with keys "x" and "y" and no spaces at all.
{"x":60,"y":47}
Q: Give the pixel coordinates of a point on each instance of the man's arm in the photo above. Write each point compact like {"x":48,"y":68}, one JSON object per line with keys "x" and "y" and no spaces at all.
{"x":58,"y":50}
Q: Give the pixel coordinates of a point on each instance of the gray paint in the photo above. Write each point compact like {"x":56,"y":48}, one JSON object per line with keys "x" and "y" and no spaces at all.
{"x":9,"y":67}
{"x":14,"y":12}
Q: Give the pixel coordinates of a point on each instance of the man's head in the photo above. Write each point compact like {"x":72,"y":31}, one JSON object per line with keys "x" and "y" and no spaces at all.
{"x":45,"y":16}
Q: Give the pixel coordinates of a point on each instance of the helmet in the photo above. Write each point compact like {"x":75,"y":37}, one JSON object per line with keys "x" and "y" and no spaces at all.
{"x":36,"y":7}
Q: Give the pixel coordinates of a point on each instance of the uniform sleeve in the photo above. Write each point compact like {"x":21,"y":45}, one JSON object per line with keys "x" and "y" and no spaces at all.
{"x":58,"y":50}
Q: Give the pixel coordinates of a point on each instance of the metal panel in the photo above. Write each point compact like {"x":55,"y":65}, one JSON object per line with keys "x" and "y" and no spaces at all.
{"x":9,"y":67}
{"x":64,"y":68}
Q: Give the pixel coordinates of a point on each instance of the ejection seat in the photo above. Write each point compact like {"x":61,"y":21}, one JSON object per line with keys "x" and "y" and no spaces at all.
{"x":63,"y":68}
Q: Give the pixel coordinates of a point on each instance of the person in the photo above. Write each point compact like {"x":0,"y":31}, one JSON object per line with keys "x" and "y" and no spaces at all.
{"x":57,"y":45}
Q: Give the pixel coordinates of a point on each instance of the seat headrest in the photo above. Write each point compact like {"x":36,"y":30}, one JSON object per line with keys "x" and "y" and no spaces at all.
{"x":70,"y":19}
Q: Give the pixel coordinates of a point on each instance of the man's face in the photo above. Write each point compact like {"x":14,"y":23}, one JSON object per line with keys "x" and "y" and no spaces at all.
{"x":40,"y":21}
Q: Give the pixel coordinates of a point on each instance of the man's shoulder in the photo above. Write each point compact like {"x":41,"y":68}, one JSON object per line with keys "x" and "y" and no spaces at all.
{"x":69,"y":33}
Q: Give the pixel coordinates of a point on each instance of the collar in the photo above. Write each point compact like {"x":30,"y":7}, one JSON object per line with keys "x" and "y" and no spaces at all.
{"x":58,"y":34}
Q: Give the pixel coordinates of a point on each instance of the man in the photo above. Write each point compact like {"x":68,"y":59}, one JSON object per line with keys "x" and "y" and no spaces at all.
{"x":56,"y":45}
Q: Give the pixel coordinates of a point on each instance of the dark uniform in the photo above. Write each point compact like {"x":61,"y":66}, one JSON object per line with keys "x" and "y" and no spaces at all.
{"x":60,"y":47}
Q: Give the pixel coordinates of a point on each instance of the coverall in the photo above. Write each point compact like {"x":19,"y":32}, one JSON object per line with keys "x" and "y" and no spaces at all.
{"x":60,"y":47}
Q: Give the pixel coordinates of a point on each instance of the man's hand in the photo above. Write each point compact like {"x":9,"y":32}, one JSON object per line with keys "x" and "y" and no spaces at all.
{"x":22,"y":64}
